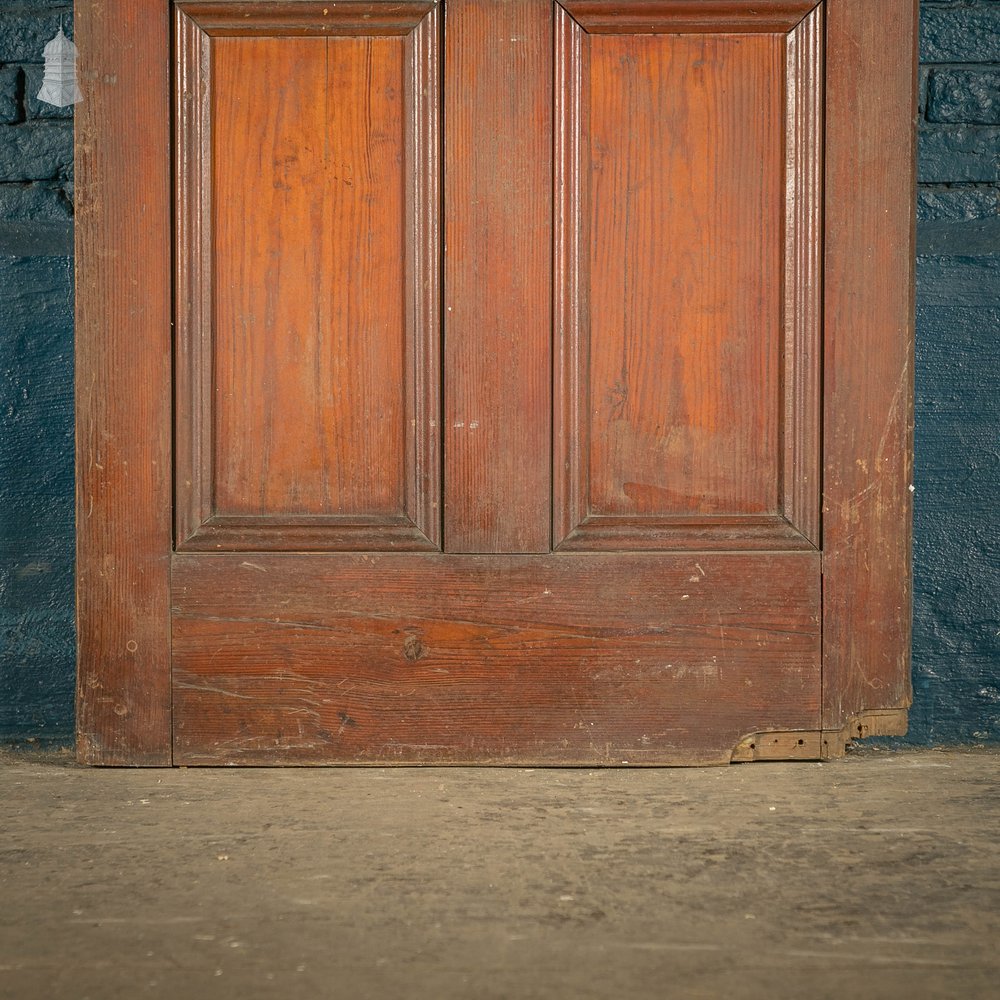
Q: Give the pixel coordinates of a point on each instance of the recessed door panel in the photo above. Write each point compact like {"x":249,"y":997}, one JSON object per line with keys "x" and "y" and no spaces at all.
{"x":684,"y":262}
{"x":308,"y":334}
{"x":687,"y":316}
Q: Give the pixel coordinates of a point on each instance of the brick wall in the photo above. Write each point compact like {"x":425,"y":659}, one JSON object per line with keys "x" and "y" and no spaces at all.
{"x":956,"y":641}
{"x":37,"y":656}
{"x":36,"y":139}
{"x":959,"y":109}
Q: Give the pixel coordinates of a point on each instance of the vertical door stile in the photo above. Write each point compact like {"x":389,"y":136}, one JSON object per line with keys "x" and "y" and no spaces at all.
{"x":498,"y":268}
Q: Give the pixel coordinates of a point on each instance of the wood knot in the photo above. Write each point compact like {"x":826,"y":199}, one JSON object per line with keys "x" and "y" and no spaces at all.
{"x":413,"y":648}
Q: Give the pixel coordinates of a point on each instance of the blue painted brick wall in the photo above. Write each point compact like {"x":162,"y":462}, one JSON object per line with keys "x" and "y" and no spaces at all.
{"x":37,"y":642}
{"x":956,"y":650}
{"x":36,"y":140}
{"x":957,"y":480}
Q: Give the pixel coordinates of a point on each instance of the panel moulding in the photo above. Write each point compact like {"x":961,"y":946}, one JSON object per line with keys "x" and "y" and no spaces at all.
{"x":200,"y":524}
{"x":795,"y":524}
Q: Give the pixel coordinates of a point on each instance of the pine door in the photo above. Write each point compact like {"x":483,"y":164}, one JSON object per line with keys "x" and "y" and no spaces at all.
{"x":494,"y":381}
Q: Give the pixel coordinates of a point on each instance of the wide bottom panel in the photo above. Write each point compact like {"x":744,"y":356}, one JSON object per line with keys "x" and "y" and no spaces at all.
{"x":589,"y":659}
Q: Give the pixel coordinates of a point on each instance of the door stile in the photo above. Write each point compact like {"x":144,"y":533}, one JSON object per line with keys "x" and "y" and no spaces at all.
{"x":123,"y":385}
{"x":498,"y":276}
{"x":868,"y":368}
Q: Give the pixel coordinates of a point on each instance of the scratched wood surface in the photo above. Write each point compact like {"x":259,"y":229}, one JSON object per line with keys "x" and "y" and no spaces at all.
{"x":123,"y":465}
{"x":500,"y":650}
{"x":868,"y":373}
{"x":404,"y":658}
{"x":498,"y":250}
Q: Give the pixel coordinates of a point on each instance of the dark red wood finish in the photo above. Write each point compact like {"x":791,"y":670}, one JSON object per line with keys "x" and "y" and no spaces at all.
{"x":632,"y":404}
{"x":123,"y":453}
{"x":868,"y":369}
{"x":689,"y":16}
{"x":497,"y":265}
{"x":583,"y":659}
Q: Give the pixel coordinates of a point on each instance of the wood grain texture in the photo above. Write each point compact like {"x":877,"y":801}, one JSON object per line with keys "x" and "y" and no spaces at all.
{"x":498,"y":197}
{"x":308,"y":358}
{"x":684,"y":270}
{"x":123,"y":384}
{"x":768,"y":533}
{"x":308,"y":316}
{"x":306,"y":17}
{"x":688,"y":349}
{"x":588,"y":659}
{"x":688,"y":16}
{"x":570,"y":281}
{"x":512,"y":657}
{"x":868,"y":371}
{"x":802,"y":346}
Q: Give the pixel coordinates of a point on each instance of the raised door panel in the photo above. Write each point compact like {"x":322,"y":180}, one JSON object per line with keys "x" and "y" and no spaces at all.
{"x":688,"y":275}
{"x":307,"y":246}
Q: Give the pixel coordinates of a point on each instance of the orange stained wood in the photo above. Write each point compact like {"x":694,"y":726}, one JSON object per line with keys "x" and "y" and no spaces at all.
{"x":687,"y":283}
{"x":308,"y":275}
{"x":685,"y":269}
{"x":308,"y":279}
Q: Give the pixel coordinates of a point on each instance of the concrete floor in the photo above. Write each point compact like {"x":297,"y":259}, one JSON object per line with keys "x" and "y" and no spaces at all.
{"x":875,"y":877}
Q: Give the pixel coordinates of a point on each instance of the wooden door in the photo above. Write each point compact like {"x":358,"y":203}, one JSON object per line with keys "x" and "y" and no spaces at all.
{"x":493,"y":381}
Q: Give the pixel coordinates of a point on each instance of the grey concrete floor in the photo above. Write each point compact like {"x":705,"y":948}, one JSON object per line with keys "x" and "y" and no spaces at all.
{"x":877,"y":876}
